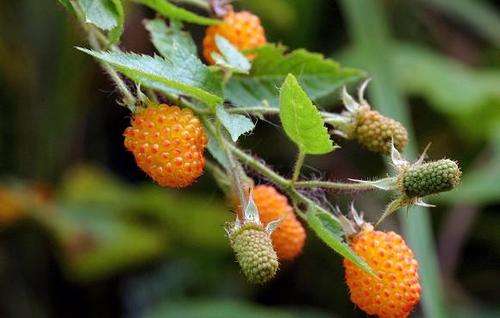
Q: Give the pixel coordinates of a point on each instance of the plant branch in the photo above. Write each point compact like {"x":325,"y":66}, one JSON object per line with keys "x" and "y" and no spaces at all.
{"x":258,"y":166}
{"x":329,"y":118}
{"x":334,"y":185}
{"x":97,"y":40}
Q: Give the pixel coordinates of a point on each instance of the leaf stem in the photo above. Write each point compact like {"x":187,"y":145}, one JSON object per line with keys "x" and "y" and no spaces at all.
{"x":298,"y":165}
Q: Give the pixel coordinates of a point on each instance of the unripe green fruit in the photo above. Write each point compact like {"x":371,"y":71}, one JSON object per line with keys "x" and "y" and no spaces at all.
{"x":375,"y":131}
{"x":429,"y":178}
{"x":255,"y":253}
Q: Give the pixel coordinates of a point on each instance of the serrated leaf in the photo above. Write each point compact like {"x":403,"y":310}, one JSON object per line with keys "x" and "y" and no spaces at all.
{"x":184,"y":73}
{"x":328,"y":229}
{"x":235,"y":124}
{"x":171,"y":11}
{"x":230,"y":58}
{"x":318,"y":76}
{"x":301,"y":120}
{"x":101,"y":13}
{"x":168,"y":38}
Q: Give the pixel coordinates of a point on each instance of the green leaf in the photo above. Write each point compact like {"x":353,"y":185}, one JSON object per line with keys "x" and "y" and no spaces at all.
{"x":301,"y":119}
{"x":116,"y":33}
{"x":328,"y":229}
{"x":453,"y":88}
{"x":318,"y":76}
{"x":213,"y":146}
{"x":67,"y":4}
{"x":171,"y":11}
{"x":182,"y":72}
{"x":107,"y":15}
{"x":235,"y":124}
{"x":101,"y":13}
{"x":218,"y":308}
{"x":167,"y":39}
{"x":230,"y":58}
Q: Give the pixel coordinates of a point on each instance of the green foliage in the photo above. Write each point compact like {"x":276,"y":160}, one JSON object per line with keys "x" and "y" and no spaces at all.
{"x":105,"y":14}
{"x":167,"y":39}
{"x":230,"y":58}
{"x":317,"y":75}
{"x":171,"y":11}
{"x":301,"y":120}
{"x":67,"y":4}
{"x":224,"y":308}
{"x":480,"y":183}
{"x":235,"y":124}
{"x":329,"y":231}
{"x":479,"y":15}
{"x":451,"y":87}
{"x":182,"y":71}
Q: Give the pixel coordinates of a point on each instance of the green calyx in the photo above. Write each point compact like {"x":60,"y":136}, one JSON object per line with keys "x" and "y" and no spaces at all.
{"x":254,"y":252}
{"x":430,"y":178}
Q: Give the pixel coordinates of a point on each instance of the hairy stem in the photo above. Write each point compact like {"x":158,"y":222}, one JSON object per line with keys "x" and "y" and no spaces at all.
{"x":298,"y":165}
{"x":334,"y":185}
{"x":329,"y":118}
{"x":97,"y":40}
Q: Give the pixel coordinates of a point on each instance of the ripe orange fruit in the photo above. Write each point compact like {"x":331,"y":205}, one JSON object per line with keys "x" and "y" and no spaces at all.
{"x":242,"y":29}
{"x":168,"y":144}
{"x":288,"y":239}
{"x":397,"y":289}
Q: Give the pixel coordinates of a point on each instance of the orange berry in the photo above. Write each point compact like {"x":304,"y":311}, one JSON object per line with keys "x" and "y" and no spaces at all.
{"x":242,"y":29}
{"x":397,"y":289}
{"x":168,"y":144}
{"x":288,"y":239}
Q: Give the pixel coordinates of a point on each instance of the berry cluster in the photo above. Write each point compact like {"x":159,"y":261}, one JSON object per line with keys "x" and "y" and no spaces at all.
{"x":168,"y":144}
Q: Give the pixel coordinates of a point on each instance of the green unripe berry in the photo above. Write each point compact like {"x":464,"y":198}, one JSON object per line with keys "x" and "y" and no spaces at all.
{"x":255,"y":253}
{"x":429,"y":178}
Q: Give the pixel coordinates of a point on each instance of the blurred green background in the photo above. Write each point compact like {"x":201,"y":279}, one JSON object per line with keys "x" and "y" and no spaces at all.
{"x":83,"y":232}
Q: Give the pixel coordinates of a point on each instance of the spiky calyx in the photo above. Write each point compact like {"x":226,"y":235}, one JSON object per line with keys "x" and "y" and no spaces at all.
{"x":289,"y":237}
{"x":254,"y":252}
{"x":396,"y":290}
{"x":430,"y":178}
{"x":242,"y":29}
{"x":375,"y":131}
{"x":168,"y":144}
